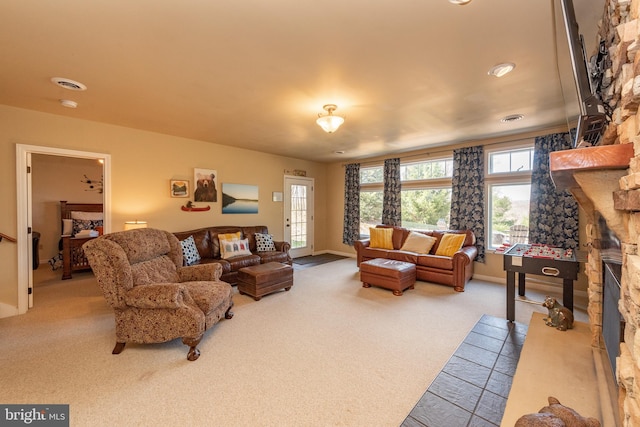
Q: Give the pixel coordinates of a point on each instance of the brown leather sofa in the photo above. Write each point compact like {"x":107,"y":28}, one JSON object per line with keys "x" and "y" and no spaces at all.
{"x":453,"y":271}
{"x":208,"y":246}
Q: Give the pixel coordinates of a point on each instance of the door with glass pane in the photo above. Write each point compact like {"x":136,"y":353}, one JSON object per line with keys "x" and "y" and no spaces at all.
{"x":298,"y":215}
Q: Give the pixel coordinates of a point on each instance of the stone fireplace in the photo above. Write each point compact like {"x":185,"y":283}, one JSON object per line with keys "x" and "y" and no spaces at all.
{"x":606,"y":181}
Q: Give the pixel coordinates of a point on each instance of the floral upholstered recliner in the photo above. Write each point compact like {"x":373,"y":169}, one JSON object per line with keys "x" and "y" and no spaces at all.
{"x":154,"y":297}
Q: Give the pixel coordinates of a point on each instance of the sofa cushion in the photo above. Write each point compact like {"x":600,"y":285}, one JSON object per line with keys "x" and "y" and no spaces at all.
{"x":238,"y":262}
{"x":398,"y":255}
{"x":273,"y":256}
{"x":189,"y":251}
{"x":419,"y":243}
{"x":450,"y":244}
{"x":435,"y":261}
{"x":381,"y":238}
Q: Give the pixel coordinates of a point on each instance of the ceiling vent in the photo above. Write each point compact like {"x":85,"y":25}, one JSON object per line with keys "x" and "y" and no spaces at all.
{"x":68,"y":83}
{"x":512,"y":118}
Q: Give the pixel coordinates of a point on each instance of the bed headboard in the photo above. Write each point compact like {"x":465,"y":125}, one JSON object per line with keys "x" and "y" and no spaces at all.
{"x":66,"y":208}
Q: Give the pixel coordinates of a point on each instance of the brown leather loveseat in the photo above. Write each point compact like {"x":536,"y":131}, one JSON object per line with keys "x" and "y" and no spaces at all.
{"x":453,"y":271}
{"x":208,"y":245}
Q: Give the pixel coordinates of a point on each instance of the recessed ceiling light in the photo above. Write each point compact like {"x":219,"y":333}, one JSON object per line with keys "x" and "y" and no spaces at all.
{"x":501,"y":69}
{"x":460,"y":2}
{"x":68,"y":83}
{"x":512,"y":118}
{"x":68,"y":103}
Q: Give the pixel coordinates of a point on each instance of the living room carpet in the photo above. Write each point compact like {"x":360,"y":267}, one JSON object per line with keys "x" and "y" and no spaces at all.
{"x":327,"y":353}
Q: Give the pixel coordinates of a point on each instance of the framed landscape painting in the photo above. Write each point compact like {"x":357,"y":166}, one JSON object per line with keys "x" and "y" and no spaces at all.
{"x":179,"y":188}
{"x":239,"y":199}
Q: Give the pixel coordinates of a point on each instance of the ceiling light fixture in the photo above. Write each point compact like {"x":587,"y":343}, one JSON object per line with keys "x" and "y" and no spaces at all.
{"x":328,"y":122}
{"x":460,"y":2}
{"x":501,"y":69}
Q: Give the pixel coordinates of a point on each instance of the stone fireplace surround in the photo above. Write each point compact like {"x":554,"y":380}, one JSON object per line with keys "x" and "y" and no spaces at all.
{"x":606,"y":179}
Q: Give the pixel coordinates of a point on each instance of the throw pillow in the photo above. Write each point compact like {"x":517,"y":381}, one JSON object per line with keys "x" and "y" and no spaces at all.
{"x":235,"y":248}
{"x":381,"y":238}
{"x":418,"y":243}
{"x":189,"y":251}
{"x":450,"y":244}
{"x":264,"y":242}
{"x":227,"y":236}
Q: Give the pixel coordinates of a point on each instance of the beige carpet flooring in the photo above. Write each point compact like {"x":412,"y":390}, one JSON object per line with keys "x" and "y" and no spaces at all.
{"x":326,"y":353}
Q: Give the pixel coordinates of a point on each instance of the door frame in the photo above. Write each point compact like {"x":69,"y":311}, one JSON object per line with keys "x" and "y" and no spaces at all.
{"x":24,"y":213}
{"x":310,"y":209}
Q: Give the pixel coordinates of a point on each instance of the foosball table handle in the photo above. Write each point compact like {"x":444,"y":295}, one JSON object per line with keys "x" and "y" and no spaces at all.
{"x":550,"y":271}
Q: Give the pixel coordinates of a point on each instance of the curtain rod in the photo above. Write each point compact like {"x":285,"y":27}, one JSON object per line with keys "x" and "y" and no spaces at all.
{"x":450,"y":150}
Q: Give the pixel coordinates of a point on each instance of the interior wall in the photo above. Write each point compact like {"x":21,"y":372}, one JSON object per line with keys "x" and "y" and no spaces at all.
{"x":55,"y":178}
{"x":143,"y":163}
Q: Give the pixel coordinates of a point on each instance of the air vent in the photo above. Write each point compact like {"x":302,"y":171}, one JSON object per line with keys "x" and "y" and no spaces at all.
{"x":68,"y":83}
{"x":512,"y":118}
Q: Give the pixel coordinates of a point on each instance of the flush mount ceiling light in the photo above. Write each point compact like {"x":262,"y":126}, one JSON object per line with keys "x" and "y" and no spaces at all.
{"x":501,"y":69}
{"x":328,"y":122}
{"x":459,"y":2}
{"x":68,"y":83}
{"x":512,"y":118}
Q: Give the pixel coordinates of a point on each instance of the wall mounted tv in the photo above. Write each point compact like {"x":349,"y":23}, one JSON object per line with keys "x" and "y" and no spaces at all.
{"x":592,"y":118}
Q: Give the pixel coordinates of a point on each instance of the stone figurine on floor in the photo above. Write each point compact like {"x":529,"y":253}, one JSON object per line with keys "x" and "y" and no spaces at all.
{"x":556,"y":415}
{"x":560,"y":317}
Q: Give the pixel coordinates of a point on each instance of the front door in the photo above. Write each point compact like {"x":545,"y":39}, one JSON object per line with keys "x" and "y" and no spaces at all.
{"x":298,"y":215}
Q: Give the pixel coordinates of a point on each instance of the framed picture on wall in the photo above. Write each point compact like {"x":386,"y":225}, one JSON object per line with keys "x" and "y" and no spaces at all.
{"x":179,"y":188}
{"x":206,"y":185}
{"x":239,"y":199}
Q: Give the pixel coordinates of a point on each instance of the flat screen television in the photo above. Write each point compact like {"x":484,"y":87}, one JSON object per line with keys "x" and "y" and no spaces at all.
{"x":592,"y":118}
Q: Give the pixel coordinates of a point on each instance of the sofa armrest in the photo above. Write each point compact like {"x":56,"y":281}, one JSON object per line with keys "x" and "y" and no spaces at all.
{"x":359,"y":245}
{"x":193,"y":273}
{"x":157,"y":295}
{"x":463,"y":266}
{"x":465,"y":254}
{"x":282,"y":246}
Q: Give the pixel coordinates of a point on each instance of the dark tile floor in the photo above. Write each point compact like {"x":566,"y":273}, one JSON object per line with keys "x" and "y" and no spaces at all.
{"x":472,"y":388}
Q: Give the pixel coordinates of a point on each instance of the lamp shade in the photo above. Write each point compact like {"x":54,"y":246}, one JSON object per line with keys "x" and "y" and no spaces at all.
{"x":132,"y":225}
{"x":330,"y":123}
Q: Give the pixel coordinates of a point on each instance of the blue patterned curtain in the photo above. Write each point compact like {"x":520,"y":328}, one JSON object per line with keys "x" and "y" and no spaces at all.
{"x":351,"y":226}
{"x":467,"y":194}
{"x":391,"y":198}
{"x":553,"y":215}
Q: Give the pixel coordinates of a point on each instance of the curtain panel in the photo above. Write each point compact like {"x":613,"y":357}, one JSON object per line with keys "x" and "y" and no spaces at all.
{"x":553,"y":215}
{"x":351,"y":225}
{"x":467,"y":195}
{"x":392,"y":197}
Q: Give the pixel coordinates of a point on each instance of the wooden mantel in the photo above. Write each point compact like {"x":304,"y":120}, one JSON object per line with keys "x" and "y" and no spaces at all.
{"x":563,"y":164}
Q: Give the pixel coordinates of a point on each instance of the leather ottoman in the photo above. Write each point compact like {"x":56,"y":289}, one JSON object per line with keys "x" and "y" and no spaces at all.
{"x":389,"y":274}
{"x":259,"y":280}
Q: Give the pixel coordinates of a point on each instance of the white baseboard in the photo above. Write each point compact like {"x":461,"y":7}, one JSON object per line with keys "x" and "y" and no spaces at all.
{"x":7,"y":310}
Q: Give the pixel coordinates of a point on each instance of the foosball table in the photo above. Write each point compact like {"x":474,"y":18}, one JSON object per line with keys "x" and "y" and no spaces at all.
{"x":539,"y":260}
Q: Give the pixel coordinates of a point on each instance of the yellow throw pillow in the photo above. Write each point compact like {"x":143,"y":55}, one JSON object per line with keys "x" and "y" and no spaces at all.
{"x":418,"y":243}
{"x":381,"y":238}
{"x":227,"y":236}
{"x":450,"y":244}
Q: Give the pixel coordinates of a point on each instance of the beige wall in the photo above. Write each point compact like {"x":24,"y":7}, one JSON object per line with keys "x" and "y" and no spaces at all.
{"x":142,"y":165}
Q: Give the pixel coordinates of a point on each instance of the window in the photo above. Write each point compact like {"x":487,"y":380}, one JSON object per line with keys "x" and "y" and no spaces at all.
{"x":426,"y":195}
{"x":508,"y":188}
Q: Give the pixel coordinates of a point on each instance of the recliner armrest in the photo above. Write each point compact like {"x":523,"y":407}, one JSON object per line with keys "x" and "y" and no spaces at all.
{"x":157,"y":295}
{"x":193,"y":273}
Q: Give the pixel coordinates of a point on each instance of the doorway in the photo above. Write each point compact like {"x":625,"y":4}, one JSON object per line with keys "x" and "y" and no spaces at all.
{"x":25,"y":210}
{"x":298,"y":215}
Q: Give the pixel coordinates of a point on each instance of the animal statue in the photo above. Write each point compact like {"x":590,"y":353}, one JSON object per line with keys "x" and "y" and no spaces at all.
{"x":560,"y":317}
{"x":556,"y":415}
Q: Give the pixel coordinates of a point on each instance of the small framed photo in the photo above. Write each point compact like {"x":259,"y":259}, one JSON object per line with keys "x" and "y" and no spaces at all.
{"x":179,"y":188}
